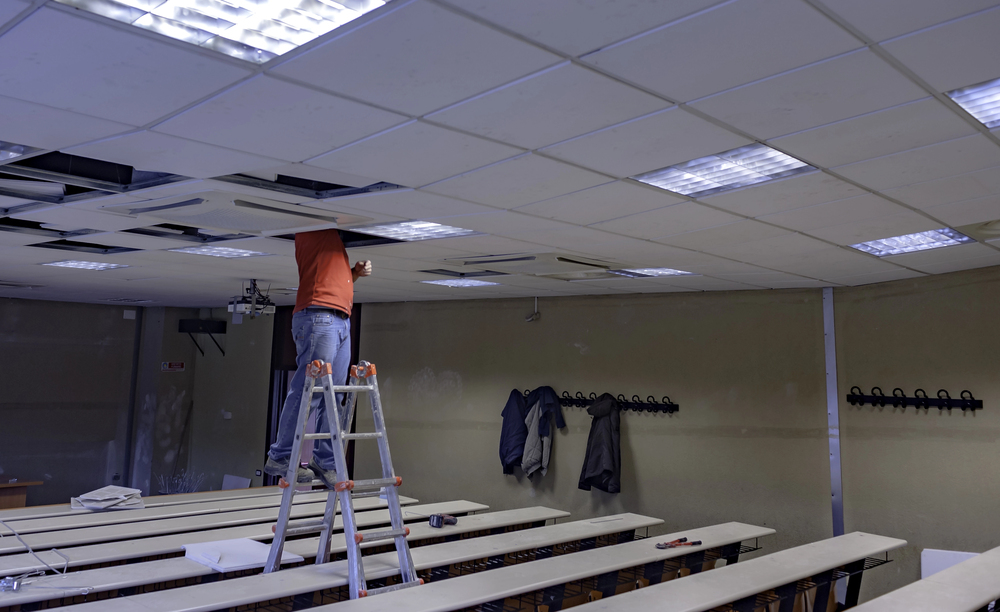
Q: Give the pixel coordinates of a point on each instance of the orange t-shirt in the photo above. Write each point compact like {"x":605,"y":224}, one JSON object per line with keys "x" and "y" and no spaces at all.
{"x":325,"y":275}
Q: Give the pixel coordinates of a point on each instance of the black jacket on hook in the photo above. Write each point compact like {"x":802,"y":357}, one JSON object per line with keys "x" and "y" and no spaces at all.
{"x":602,"y":465}
{"x":513,"y":432}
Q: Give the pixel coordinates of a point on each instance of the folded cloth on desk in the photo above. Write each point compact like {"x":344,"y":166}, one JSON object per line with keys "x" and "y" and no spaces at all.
{"x":110,"y":497}
{"x":234,"y":555}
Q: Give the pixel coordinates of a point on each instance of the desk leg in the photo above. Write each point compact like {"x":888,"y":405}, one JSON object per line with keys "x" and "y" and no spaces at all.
{"x":854,"y":583}
{"x":13,"y":497}
{"x":824,"y":582}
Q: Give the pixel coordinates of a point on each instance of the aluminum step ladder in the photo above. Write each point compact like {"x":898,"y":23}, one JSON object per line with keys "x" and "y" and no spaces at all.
{"x":319,"y":379}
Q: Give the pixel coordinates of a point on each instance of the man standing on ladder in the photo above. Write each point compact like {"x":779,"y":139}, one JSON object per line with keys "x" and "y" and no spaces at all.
{"x":321,"y":327}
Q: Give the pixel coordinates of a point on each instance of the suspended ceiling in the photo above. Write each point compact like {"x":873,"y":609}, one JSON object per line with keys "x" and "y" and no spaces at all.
{"x":520,"y":120}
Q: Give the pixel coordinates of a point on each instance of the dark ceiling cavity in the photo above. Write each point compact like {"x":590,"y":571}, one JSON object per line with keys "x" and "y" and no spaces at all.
{"x":353,"y":239}
{"x":452,"y":273}
{"x":305,"y":188}
{"x":182,"y":232}
{"x":21,"y":226}
{"x":83,"y":247}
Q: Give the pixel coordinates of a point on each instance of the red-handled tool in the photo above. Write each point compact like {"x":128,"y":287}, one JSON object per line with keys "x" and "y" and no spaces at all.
{"x":678,"y":543}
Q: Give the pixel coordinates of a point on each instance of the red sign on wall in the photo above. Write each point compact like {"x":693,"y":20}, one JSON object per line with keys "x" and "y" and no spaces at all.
{"x":172,"y":366}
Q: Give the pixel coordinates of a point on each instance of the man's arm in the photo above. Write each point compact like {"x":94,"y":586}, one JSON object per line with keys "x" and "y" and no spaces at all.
{"x":362,"y":268}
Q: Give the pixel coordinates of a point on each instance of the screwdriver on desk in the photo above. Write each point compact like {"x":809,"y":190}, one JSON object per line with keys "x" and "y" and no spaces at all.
{"x":678,"y":543}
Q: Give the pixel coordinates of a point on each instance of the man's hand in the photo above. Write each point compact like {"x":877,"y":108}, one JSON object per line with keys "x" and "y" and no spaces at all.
{"x":363,"y":268}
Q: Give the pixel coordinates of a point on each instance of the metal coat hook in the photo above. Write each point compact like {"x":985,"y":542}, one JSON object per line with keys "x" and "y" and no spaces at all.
{"x":635,"y":404}
{"x":920,"y":400}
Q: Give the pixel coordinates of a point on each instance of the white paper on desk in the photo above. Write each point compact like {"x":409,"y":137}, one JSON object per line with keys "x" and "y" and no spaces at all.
{"x":110,"y":497}
{"x":234,"y":555}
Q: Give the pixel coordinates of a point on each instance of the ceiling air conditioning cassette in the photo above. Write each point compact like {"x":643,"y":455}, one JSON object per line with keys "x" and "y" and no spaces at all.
{"x":237,"y":213}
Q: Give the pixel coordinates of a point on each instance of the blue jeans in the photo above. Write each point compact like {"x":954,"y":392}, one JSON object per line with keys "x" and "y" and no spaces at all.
{"x":319,"y":334}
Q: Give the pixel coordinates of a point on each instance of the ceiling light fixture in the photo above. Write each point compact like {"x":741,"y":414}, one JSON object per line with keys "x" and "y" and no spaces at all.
{"x":911,"y":243}
{"x":460,"y":282}
{"x":251,"y":30}
{"x":10,"y":150}
{"x":413,"y":230}
{"x":740,"y":167}
{"x":982,"y":101}
{"x":85,"y":265}
{"x":641,"y":272}
{"x":215,"y":251}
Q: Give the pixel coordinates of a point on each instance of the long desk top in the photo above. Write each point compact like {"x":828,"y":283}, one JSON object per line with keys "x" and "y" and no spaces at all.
{"x":153,"y":501}
{"x":263,"y":587}
{"x":966,"y":587}
{"x":475,"y":589}
{"x":118,"y":517}
{"x":105,"y":552}
{"x":125,"y":531}
{"x":179,"y":568}
{"x":728,"y":584}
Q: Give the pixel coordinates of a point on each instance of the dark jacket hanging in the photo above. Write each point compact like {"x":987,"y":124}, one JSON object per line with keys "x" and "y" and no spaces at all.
{"x":549,"y":403}
{"x":513,"y":432}
{"x":602,"y":465}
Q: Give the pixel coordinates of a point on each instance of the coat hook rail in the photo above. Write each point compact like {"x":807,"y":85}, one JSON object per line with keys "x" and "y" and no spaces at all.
{"x":920,"y":400}
{"x":635,"y":404}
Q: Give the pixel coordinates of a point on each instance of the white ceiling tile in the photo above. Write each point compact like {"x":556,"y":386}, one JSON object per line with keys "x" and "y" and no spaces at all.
{"x":822,"y":93}
{"x":888,"y":18}
{"x":11,"y":239}
{"x":559,"y":103}
{"x":134,"y":241}
{"x":578,"y":26}
{"x":949,"y":259}
{"x":504,"y":223}
{"x":907,"y":126}
{"x":522,"y":180}
{"x":339,"y":205}
{"x":770,"y":250}
{"x":787,"y":194}
{"x":608,"y":201}
{"x":45,"y":127}
{"x":636,"y":252}
{"x":73,"y":218}
{"x":414,"y":154}
{"x":163,"y":153}
{"x":423,"y":249}
{"x":648,"y":143}
{"x":105,"y":71}
{"x":831,"y":262}
{"x":860,"y":208}
{"x":855,"y":280}
{"x":705,"y":283}
{"x":9,"y":202}
{"x":978,"y":210}
{"x":735,"y":43}
{"x":955,"y":54}
{"x":275,"y":246}
{"x":416,"y":59}
{"x":957,"y":156}
{"x":270,"y":117}
{"x":714,"y":239}
{"x":490,"y":245}
{"x":410,"y":204}
{"x":762,"y":279}
{"x":952,"y":189}
{"x":663,"y":222}
{"x":898,"y":224}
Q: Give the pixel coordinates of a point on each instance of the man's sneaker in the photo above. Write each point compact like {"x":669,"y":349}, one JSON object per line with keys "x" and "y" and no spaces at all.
{"x":280,"y":468}
{"x":329,"y":477}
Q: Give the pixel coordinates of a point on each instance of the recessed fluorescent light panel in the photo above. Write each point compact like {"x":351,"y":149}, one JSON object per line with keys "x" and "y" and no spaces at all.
{"x":251,"y":30}
{"x":647,"y":272}
{"x":414,"y":230}
{"x":9,"y":151}
{"x":460,"y":282}
{"x":740,"y":167}
{"x":85,"y":265}
{"x":214,"y":251}
{"x":981,"y":101}
{"x":911,"y":243}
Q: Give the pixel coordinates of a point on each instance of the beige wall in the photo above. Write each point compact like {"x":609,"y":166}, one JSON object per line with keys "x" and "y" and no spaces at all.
{"x":749,"y":443}
{"x":236,"y":384}
{"x":930,"y":478}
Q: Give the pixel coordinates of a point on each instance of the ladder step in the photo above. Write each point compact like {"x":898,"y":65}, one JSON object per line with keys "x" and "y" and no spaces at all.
{"x":366,"y":494}
{"x":375,"y":484}
{"x":394,"y":587}
{"x":316,"y":436}
{"x":351,"y":388}
{"x":305,"y":527}
{"x":389,"y":534}
{"x":361,"y":436}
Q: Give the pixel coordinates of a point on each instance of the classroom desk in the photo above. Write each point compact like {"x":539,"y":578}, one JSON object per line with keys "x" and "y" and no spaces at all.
{"x":544,"y":575}
{"x":179,"y":569}
{"x":13,"y":494}
{"x":969,"y":586}
{"x":777,"y":574}
{"x":312,"y":578}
